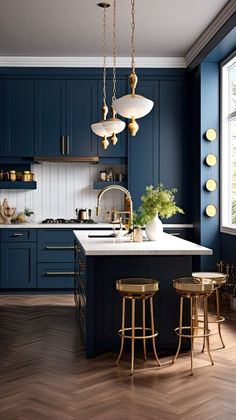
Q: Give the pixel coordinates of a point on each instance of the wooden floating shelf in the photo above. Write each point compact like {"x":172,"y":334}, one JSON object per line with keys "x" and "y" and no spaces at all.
{"x":18,"y":185}
{"x":99,"y":185}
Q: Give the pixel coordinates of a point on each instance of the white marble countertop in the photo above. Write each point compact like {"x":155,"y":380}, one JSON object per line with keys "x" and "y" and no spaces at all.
{"x":166,"y":245}
{"x":38,"y":225}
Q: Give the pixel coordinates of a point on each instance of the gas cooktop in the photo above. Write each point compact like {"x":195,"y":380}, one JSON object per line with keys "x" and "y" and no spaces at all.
{"x":67,"y":221}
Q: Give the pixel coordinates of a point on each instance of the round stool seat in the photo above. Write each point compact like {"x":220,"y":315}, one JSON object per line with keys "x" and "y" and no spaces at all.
{"x":137,"y":285}
{"x":194,"y":285}
{"x":219,"y":278}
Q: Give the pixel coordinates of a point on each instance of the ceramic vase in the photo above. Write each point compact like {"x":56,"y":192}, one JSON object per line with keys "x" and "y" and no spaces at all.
{"x":154,"y":229}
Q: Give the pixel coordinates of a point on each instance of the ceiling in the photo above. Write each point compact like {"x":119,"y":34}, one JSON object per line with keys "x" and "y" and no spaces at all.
{"x":72,"y":28}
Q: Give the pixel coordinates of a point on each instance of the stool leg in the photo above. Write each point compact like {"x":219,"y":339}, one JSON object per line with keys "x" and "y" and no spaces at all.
{"x":180,"y":328}
{"x":206,"y":328}
{"x":218,"y":316}
{"x":133,"y":335}
{"x":153,"y":331}
{"x":123,"y":330}
{"x":192,"y":331}
{"x":144,"y":331}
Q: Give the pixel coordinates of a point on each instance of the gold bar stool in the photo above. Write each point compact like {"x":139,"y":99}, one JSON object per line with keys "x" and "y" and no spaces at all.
{"x":220,"y":279}
{"x":193,"y":289}
{"x":134,"y":289}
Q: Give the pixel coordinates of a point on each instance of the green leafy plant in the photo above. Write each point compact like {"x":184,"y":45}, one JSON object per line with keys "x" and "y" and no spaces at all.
{"x":156,"y":200}
{"x":28,"y":212}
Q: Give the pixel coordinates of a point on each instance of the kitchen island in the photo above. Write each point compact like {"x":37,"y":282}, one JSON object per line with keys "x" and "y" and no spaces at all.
{"x":100,"y":260}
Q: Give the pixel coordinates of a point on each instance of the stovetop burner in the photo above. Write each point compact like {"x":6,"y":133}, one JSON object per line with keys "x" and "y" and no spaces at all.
{"x":66,"y":221}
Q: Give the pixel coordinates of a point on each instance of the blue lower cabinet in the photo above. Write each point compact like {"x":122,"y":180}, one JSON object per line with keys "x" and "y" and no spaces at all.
{"x":55,"y":275}
{"x":18,"y":265}
{"x":55,"y":245}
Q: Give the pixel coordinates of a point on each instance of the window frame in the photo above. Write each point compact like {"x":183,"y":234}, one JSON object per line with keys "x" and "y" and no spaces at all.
{"x":225,"y":116}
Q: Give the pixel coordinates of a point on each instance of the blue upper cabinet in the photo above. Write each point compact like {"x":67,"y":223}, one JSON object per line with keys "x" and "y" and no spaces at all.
{"x":50,"y":117}
{"x":81,"y":111}
{"x":120,"y":149}
{"x":17,"y":122}
{"x":63,"y":114}
{"x":143,"y":163}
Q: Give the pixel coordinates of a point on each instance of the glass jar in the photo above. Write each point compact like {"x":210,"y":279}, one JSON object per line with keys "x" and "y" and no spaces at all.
{"x":26,"y":176}
{"x":12,"y":176}
{"x":103,"y":175}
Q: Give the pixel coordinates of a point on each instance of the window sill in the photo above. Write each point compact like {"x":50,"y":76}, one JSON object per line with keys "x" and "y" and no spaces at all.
{"x":228,"y":230}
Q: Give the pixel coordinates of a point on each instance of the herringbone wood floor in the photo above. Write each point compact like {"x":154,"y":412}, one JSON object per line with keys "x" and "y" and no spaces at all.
{"x":44,"y":374}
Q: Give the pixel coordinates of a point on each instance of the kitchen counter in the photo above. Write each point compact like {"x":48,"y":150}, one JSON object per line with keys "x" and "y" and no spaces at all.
{"x":38,"y":225}
{"x":101,"y":261}
{"x":165,"y":245}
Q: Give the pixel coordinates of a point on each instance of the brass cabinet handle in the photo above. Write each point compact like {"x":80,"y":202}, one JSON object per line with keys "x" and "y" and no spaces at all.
{"x":67,"y":145}
{"x":175,"y":233}
{"x":61,"y":248}
{"x":59,"y":273}
{"x":63,"y":145}
{"x":17,"y":234}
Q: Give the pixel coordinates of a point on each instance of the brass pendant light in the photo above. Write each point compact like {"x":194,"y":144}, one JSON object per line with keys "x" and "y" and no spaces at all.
{"x":98,"y":128}
{"x":133,"y":106}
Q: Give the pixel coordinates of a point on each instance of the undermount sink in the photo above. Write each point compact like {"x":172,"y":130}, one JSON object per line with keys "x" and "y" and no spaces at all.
{"x":110,"y":235}
{"x":118,"y":234}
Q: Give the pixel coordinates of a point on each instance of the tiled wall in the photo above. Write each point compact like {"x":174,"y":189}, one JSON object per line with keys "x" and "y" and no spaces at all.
{"x":63,"y":187}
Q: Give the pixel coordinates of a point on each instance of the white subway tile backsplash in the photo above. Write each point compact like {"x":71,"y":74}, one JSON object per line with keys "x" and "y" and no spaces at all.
{"x":63,"y":187}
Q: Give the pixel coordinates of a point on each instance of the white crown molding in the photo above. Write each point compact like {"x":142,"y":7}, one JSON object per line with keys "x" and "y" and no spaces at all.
{"x":144,"y":62}
{"x":211,"y":30}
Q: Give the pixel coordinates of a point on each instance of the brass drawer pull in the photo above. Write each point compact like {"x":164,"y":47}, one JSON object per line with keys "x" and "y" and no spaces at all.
{"x":63,"y":145}
{"x":17,"y":234}
{"x":60,"y":273}
{"x":62,"y":248}
{"x":175,"y":234}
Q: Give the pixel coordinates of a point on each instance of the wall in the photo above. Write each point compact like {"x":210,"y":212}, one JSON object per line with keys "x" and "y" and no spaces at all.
{"x":63,"y":187}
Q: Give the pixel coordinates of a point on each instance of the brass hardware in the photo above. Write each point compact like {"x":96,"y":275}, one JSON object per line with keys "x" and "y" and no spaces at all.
{"x":211,"y":134}
{"x":114,"y":139}
{"x":17,"y":234}
{"x":62,"y":248}
{"x":133,"y":80}
{"x":60,"y":273}
{"x":105,"y":143}
{"x":63,"y":145}
{"x":211,"y":210}
{"x":211,"y":160}
{"x":211,"y":185}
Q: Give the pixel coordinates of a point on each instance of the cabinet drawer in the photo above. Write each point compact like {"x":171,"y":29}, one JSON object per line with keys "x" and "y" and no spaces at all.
{"x":184,"y":233}
{"x":55,"y":245}
{"x":55,"y":276}
{"x":18,"y":235}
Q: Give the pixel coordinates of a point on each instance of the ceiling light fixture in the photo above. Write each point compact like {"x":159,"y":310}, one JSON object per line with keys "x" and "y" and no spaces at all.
{"x":99,"y":128}
{"x":133,"y":106}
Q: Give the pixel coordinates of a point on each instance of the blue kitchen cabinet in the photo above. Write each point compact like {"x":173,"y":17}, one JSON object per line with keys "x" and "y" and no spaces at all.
{"x":64,"y":110}
{"x":120,"y":149}
{"x":50,"y":117}
{"x":18,"y":259}
{"x":17,"y":122}
{"x":81,"y":110}
{"x":143,"y":151}
{"x":55,"y":259}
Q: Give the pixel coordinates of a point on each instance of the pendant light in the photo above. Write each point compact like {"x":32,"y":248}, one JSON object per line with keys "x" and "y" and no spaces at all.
{"x":98,"y":128}
{"x":133,"y":106}
{"x":114,"y":125}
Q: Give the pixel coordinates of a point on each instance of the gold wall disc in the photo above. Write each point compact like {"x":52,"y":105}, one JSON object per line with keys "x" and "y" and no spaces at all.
{"x":211,"y":134}
{"x":211,"y":185}
{"x":211,"y":160}
{"x":211,"y":210}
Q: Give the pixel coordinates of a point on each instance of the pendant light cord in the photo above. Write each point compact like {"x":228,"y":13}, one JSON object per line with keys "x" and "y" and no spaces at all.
{"x":104,"y":56}
{"x":114,"y":52}
{"x":133,"y":35}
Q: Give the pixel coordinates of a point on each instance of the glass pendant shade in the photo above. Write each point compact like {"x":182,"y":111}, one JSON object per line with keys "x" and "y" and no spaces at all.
{"x":99,"y":129}
{"x":113,"y":125}
{"x":133,"y":106}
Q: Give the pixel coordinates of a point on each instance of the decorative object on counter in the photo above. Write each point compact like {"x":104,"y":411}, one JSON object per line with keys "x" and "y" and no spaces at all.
{"x":156,"y":202}
{"x":83,"y":214}
{"x":6,"y":213}
{"x":137,"y":234}
{"x":211,"y":134}
{"x":29,"y":215}
{"x":133,"y":106}
{"x":211,"y":210}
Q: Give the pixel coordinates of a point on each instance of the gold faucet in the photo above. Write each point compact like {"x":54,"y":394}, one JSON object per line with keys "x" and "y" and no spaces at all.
{"x":128,"y":197}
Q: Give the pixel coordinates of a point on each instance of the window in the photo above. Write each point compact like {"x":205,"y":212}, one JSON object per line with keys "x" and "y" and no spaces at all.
{"x":228,"y":146}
